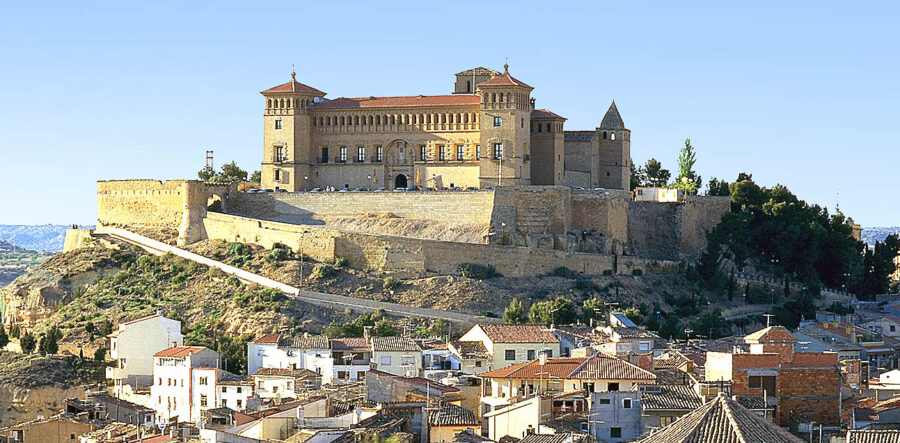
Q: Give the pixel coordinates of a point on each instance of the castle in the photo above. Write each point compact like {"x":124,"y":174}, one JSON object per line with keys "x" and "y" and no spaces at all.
{"x":487,"y":133}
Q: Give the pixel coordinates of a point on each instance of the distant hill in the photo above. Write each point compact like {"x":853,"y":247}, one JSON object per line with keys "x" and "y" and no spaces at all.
{"x":42,"y":238}
{"x":9,"y":248}
{"x":870,"y":235}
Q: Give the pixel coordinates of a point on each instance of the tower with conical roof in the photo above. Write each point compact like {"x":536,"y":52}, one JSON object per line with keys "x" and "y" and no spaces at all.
{"x":287,"y":150}
{"x":611,"y":163}
{"x":505,"y":115}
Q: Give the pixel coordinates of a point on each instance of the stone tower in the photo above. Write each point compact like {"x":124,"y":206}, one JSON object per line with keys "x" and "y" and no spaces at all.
{"x":505,"y":115}
{"x":287,"y":154}
{"x":612,"y":164}
{"x":468,"y":79}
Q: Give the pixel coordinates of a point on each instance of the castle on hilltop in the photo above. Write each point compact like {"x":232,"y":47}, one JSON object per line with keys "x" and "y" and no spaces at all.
{"x":487,"y":133}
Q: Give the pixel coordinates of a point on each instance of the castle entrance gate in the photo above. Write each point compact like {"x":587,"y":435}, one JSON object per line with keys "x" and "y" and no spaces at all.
{"x":400,"y":181}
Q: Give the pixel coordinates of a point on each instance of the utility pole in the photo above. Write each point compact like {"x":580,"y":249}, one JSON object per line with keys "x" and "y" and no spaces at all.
{"x":209,"y":159}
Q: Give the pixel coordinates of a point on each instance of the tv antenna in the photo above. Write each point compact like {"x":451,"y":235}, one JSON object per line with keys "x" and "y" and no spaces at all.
{"x":768,"y":319}
{"x":209,"y":159}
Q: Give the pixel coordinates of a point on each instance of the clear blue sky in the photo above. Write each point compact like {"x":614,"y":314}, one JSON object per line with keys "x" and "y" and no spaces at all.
{"x":800,"y":93}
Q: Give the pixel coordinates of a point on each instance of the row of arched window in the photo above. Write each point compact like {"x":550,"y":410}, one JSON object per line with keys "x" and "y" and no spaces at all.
{"x":287,"y":103}
{"x":609,"y":135}
{"x":546,"y":127}
{"x":456,"y":118}
{"x":509,"y":97}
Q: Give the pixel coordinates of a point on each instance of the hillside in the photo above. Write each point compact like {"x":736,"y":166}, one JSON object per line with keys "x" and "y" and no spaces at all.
{"x":14,"y":261}
{"x":31,"y":385}
{"x":873,"y":234}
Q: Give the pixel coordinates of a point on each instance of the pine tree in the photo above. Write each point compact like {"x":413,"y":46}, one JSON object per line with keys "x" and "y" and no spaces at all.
{"x":514,"y":313}
{"x":4,"y":339}
{"x":28,"y":343}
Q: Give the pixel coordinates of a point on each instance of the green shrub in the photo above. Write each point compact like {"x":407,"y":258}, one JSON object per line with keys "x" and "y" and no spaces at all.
{"x":607,"y":272}
{"x":637,"y":272}
{"x":339,"y":262}
{"x":323,"y":270}
{"x":277,"y":254}
{"x":476,"y":271}
{"x":389,"y":282}
{"x":563,"y":271}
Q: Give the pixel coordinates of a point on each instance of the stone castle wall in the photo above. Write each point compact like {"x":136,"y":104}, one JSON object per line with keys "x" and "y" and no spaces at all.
{"x":531,"y":230}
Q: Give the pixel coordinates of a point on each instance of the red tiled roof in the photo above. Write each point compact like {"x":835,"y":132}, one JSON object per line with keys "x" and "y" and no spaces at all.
{"x":395,"y":102}
{"x":268,"y":338}
{"x":504,"y":80}
{"x":179,"y":351}
{"x":771,"y":334}
{"x":350,"y":344}
{"x":543,"y":113}
{"x":598,"y":367}
{"x":294,"y":86}
{"x":518,"y":333}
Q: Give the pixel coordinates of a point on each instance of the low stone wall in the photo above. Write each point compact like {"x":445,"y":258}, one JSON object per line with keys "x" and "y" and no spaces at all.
{"x":417,"y":257}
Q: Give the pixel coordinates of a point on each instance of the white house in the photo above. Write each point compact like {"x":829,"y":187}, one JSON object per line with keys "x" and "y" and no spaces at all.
{"x":350,"y":358}
{"x":132,"y":346}
{"x":307,"y":352}
{"x":397,"y":355}
{"x":184,"y":382}
{"x":511,"y":344}
{"x":282,"y":383}
{"x":235,"y":394}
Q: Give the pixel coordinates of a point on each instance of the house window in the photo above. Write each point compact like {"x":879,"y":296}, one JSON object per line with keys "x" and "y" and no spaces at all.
{"x":274,"y":389}
{"x":385,"y":361}
{"x":477,"y":152}
{"x":202,"y":400}
{"x":203,"y":381}
{"x":278,"y":124}
{"x":478,"y":364}
{"x":644,"y":346}
{"x":379,"y":152}
{"x":343,"y":154}
{"x":531,"y":354}
{"x":324,"y":159}
{"x":360,"y":153}
{"x":612,"y":387}
{"x":460,"y":149}
{"x":510,"y":354}
{"x":407,"y":360}
{"x":223,"y":389}
{"x":240,"y":403}
{"x":441,"y":152}
{"x":626,"y":403}
{"x":498,"y":121}
{"x":498,"y":150}
{"x":604,"y":401}
{"x":893,"y":328}
{"x":279,"y":153}
{"x":615,"y":432}
{"x":277,"y":174}
{"x":665,"y":420}
{"x":239,"y":390}
{"x":612,"y":135}
{"x":422,"y":152}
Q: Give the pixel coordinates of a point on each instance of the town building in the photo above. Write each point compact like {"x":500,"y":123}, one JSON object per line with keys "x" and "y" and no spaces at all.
{"x":56,"y":429}
{"x":184,"y":383}
{"x":396,"y":355}
{"x":132,"y":345}
{"x":448,"y":420}
{"x":284,"y":383}
{"x":801,"y":386}
{"x":351,"y":358}
{"x":491,"y":135}
{"x":510,"y":344}
{"x":673,"y":395}
{"x":616,"y":416}
{"x":305,"y":352}
{"x":236,"y":394}
{"x":721,"y":420}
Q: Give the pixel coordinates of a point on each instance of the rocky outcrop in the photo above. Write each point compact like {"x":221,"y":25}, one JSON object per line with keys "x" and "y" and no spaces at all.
{"x":32,"y":386}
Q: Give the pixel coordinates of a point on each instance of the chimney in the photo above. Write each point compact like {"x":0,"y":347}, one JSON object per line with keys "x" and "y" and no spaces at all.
{"x":542,"y":358}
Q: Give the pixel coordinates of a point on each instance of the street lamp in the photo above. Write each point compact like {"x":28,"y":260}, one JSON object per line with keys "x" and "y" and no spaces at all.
{"x":305,"y":183}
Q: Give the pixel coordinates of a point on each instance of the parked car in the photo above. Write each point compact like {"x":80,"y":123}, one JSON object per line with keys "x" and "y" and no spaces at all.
{"x":379,"y":189}
{"x":456,"y":189}
{"x":268,"y":191}
{"x":344,"y":190}
{"x":412,"y":188}
{"x":316,"y":190}
{"x":471,"y":188}
{"x":487,"y":188}
{"x":428,"y":188}
{"x":442,"y":188}
{"x":281,"y":190}
{"x":400,"y":189}
{"x":254,"y":191}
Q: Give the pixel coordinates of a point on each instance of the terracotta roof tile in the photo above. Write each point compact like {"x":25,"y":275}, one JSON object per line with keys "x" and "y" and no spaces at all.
{"x":449,"y":414}
{"x":543,"y":113}
{"x":598,"y":367}
{"x":504,"y":80}
{"x":873,"y":436}
{"x":268,"y":338}
{"x":179,"y":351}
{"x":398,"y":102}
{"x":305,"y":342}
{"x":470,"y":349}
{"x":518,"y":333}
{"x":294,"y":86}
{"x":669,"y":397}
{"x":357,"y":344}
{"x":394,"y":344}
{"x":722,"y":420}
{"x":285,"y":372}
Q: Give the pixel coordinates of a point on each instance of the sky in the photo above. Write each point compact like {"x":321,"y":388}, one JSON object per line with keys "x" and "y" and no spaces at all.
{"x":799,"y":93}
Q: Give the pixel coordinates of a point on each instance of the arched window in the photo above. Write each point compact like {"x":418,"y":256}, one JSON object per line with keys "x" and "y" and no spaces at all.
{"x":281,"y":104}
{"x":500,"y":97}
{"x":321,"y":121}
{"x":493,"y":97}
{"x":343,"y":121}
{"x":548,"y":127}
{"x":508,"y":95}
{"x":329,"y":120}
{"x":612,"y":135}
{"x":356,"y":120}
{"x":269,"y":103}
{"x":604,"y":135}
{"x":289,"y":103}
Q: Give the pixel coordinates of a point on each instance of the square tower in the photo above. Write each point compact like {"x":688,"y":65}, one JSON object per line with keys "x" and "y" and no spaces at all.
{"x":505,"y":131}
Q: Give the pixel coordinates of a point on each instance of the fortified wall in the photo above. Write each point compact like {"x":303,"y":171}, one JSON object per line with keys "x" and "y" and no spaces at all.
{"x":520,"y":230}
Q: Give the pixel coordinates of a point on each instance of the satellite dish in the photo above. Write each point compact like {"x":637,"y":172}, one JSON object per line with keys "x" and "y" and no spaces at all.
{"x":358,"y":411}
{"x":161,"y":426}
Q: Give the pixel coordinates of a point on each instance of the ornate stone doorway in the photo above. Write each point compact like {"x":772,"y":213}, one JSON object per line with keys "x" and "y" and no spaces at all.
{"x":400,"y":181}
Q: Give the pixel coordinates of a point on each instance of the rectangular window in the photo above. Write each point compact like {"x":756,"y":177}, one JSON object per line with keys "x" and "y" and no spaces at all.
{"x":279,"y":153}
{"x":460,"y":150}
{"x":202,"y":400}
{"x":441,"y":153}
{"x":379,"y":152}
{"x":510,"y":354}
{"x":604,"y":401}
{"x":612,"y":387}
{"x":240,"y":403}
{"x":422,"y":151}
{"x":360,"y":154}
{"x":498,"y":121}
{"x":277,"y":174}
{"x":531,"y":354}
{"x":203,"y":381}
{"x":626,"y":403}
{"x":498,"y":151}
{"x":278,"y":124}
{"x":343,"y":156}
{"x":477,"y":152}
{"x":644,"y":346}
{"x":478,"y":363}
{"x":665,"y":420}
{"x":223,"y":389}
{"x":615,"y":432}
{"x":239,"y":390}
{"x":407,"y":360}
{"x":385,"y":361}
{"x":274,"y":389}
{"x":324,"y":158}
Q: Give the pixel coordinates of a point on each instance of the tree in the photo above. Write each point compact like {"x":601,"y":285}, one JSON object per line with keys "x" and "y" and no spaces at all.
{"x":635,"y":175}
{"x":27,"y":342}
{"x":634,"y":314}
{"x":4,"y":339}
{"x":49,"y":343}
{"x":687,"y":180}
{"x":652,"y":174}
{"x":514,"y":313}
{"x":592,"y":311}
{"x":230,"y":173}
{"x":717,"y":187}
{"x":256,"y":177}
{"x":106,"y":328}
{"x":100,"y":354}
{"x":14,"y":331}
{"x":560,"y":311}
{"x":384,"y":328}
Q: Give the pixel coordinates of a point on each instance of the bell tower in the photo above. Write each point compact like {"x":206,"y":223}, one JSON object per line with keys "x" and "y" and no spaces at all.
{"x":287,"y":154}
{"x":505,"y":113}
{"x":612,"y":161}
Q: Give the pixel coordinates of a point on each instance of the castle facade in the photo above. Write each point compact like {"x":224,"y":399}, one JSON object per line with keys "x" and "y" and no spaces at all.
{"x":487,"y":133}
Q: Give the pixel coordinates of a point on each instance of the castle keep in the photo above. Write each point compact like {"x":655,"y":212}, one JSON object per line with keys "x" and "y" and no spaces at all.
{"x":487,"y":133}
